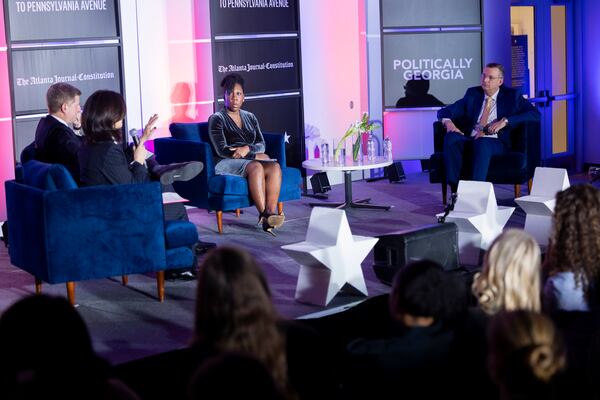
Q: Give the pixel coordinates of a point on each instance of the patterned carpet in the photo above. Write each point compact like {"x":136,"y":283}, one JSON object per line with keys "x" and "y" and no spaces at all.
{"x":128,"y":322}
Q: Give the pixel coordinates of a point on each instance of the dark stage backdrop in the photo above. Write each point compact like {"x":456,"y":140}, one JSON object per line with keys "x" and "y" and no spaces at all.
{"x":73,"y":41}
{"x":56,"y":20}
{"x":443,"y":65}
{"x":260,"y":40}
{"x":424,"y":13}
{"x":267,"y":65}
{"x":88,"y":68}
{"x":431,"y":51}
{"x":255,"y":16}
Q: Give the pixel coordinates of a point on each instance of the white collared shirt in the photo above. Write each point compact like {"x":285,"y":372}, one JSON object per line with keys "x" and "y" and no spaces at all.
{"x":75,"y":131}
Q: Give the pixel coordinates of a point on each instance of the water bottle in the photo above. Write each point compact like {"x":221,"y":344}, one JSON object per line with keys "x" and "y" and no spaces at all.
{"x":370,"y":147}
{"x":325,"y":153}
{"x":387,"y":148}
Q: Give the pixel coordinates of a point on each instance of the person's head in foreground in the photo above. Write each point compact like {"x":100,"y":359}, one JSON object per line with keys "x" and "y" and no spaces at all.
{"x":510,"y":278}
{"x":525,"y":353}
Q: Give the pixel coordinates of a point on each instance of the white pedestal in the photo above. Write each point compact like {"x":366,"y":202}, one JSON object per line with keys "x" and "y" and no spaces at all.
{"x":330,"y":257}
{"x":539,"y":205}
{"x":479,"y":219}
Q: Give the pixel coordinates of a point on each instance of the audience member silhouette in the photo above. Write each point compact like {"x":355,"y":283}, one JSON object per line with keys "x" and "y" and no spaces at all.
{"x":573,"y":260}
{"x":509,"y":280}
{"x":415,"y":95}
{"x":233,"y":376}
{"x":46,"y":353}
{"x":425,"y":301}
{"x":525,"y":354}
{"x":234,"y":312}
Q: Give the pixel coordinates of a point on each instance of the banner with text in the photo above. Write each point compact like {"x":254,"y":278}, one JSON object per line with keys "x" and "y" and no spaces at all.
{"x":234,"y":17}
{"x":88,"y":69}
{"x":48,"y":20}
{"x":269,"y":65}
{"x":429,"y":69}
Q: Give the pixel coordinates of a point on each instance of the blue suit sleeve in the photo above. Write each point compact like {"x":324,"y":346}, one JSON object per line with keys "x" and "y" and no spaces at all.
{"x":458,"y":109}
{"x":524,"y":111}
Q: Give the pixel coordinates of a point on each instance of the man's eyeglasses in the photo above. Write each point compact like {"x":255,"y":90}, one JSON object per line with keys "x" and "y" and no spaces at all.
{"x":491,"y":78}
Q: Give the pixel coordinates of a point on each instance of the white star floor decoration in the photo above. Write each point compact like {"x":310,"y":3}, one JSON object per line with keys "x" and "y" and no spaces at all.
{"x":539,"y":205}
{"x":330,"y":257}
{"x":479,"y":219}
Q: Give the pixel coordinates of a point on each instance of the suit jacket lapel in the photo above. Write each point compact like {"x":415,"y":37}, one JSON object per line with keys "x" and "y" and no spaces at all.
{"x":476,"y":105}
{"x":501,"y":105}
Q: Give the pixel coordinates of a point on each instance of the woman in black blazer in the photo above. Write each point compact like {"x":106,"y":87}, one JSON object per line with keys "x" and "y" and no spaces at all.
{"x":102,"y":159}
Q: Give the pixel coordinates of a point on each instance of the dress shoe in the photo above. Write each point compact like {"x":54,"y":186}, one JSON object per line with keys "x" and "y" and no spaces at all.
{"x":180,"y":275}
{"x":178,"y":171}
{"x":594,"y":174}
{"x":204,"y":247}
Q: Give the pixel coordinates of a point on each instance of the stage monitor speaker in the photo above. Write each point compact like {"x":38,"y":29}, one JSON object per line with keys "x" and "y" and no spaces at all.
{"x":395,"y":172}
{"x":320,"y":183}
{"x":437,"y":243}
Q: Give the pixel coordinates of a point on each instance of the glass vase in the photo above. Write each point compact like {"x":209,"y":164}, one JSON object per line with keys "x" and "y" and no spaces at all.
{"x":357,"y":151}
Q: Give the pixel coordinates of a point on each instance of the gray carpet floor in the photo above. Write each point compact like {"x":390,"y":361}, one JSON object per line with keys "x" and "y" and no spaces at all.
{"x":128,"y":322}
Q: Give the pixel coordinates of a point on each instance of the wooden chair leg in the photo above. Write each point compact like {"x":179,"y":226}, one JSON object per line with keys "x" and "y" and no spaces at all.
{"x":237,"y":212}
{"x":280,"y":207}
{"x":529,"y":185}
{"x":517,"y":191}
{"x":71,"y":292}
{"x":125,"y":280}
{"x":38,"y":286}
{"x":444,"y":193}
{"x":220,"y":221}
{"x":160,"y":285}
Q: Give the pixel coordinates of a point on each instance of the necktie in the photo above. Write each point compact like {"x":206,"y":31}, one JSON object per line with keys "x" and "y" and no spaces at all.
{"x":485,"y":115}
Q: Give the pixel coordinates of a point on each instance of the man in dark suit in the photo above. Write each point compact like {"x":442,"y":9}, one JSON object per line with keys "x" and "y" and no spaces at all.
{"x":481,"y":122}
{"x":57,"y":138}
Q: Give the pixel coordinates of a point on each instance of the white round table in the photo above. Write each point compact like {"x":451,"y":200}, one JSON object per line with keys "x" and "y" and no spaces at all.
{"x":347,"y":168}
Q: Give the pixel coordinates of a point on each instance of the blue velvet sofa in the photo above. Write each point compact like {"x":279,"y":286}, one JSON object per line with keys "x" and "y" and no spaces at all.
{"x":60,"y":233}
{"x":190,"y":142}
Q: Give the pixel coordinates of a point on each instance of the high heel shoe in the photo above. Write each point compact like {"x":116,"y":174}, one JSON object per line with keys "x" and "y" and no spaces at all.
{"x":271,"y":221}
{"x":264,"y":220}
{"x":276,"y":220}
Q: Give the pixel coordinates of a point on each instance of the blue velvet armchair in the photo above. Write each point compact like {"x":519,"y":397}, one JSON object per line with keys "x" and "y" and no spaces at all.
{"x":190,"y":142}
{"x":60,"y":233}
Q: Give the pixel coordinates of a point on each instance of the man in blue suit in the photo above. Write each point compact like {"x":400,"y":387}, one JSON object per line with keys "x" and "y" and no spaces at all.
{"x":480,"y":124}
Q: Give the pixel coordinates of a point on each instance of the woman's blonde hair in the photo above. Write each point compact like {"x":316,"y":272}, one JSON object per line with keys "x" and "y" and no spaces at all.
{"x":510,"y":278}
{"x":524,"y":348}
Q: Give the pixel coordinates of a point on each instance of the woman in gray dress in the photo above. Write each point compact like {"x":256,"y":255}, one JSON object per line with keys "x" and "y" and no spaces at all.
{"x":238,"y":141}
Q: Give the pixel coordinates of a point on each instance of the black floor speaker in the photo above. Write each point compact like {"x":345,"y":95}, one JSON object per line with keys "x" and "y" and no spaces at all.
{"x":437,"y":243}
{"x":395,"y":172}
{"x":320,"y":183}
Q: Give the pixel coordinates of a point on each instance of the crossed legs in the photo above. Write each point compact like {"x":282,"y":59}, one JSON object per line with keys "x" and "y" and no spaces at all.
{"x":264,"y":183}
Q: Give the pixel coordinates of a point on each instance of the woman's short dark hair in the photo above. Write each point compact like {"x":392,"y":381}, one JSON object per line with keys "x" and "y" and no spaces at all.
{"x":230,"y":81}
{"x":102,"y":110}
